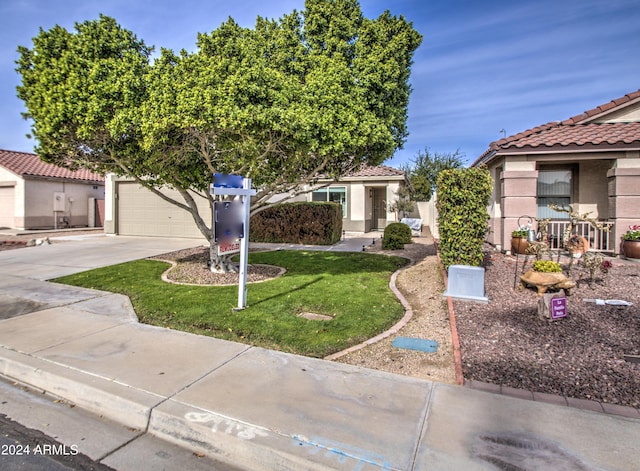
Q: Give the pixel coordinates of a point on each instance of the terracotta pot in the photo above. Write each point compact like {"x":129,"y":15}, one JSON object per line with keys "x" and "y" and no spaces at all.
{"x":631,"y":249}
{"x":519,"y":245}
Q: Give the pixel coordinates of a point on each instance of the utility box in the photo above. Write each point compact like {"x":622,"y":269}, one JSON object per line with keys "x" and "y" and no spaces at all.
{"x":59,"y":201}
{"x":467,"y":283}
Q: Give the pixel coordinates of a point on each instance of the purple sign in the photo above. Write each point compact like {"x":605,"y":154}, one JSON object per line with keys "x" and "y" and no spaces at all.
{"x":558,"y":308}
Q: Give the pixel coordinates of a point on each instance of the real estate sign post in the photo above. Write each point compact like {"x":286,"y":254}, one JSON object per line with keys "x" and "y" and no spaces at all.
{"x":233,"y":217}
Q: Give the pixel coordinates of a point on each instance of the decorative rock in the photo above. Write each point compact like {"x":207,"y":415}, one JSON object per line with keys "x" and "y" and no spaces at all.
{"x":545,"y":305}
{"x":544,"y":281}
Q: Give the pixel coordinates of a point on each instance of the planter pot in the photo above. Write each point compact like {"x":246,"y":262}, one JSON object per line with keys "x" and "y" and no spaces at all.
{"x":545,"y":280}
{"x":519,"y":245}
{"x":631,"y":249}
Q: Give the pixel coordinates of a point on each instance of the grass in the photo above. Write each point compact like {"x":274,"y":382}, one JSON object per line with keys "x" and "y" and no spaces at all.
{"x":352,"y":288}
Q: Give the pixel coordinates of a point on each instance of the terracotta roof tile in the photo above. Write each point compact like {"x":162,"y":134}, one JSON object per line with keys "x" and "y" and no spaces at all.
{"x":30,"y":165}
{"x":602,"y":108}
{"x":577,"y":135}
{"x":575,"y":131}
{"x":377,"y":171}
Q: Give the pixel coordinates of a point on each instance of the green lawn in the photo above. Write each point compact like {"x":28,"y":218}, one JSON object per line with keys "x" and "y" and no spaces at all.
{"x":350,"y":287}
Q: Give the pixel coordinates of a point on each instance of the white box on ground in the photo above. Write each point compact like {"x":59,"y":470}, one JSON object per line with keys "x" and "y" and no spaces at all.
{"x":466,"y":282}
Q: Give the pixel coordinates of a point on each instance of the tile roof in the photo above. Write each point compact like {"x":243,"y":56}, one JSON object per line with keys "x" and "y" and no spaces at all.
{"x":598,"y":110}
{"x":377,"y":171}
{"x":579,"y":132}
{"x":593,"y":134}
{"x":30,"y":165}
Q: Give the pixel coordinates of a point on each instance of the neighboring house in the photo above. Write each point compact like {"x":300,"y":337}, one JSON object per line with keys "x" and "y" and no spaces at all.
{"x":591,"y":161}
{"x":38,"y":195}
{"x":365,"y":197}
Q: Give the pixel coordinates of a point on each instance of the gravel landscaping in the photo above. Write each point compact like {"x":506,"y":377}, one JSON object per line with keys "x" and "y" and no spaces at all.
{"x":581,"y":356}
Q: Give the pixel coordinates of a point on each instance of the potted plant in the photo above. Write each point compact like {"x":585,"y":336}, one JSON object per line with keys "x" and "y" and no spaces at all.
{"x":631,"y":243}
{"x":519,"y":241}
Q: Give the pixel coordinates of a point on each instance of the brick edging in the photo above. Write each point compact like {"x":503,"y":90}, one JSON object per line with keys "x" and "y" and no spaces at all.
{"x":547,"y":398}
{"x":455,"y":340}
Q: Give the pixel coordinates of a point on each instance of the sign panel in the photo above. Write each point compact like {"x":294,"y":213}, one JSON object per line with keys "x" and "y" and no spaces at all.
{"x":558,"y":308}
{"x":229,"y":220}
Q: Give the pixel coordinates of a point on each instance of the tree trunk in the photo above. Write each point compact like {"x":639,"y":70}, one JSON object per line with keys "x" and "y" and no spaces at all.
{"x":219,"y":263}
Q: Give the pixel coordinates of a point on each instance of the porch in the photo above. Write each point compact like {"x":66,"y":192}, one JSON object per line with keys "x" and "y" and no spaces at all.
{"x":600,"y":240}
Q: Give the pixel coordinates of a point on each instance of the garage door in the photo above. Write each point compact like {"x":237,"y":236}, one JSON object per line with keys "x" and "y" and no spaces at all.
{"x":7,"y":206}
{"x":140,"y":212}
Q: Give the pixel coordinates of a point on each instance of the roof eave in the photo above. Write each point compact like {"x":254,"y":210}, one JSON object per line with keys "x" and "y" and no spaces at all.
{"x":61,"y":179}
{"x":485,"y":158}
{"x":571,"y":148}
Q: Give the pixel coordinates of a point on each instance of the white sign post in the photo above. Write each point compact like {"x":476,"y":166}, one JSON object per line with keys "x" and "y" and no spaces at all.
{"x":227,"y":185}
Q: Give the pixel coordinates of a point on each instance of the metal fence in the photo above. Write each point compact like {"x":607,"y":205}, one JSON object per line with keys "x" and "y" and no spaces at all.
{"x":600,"y":240}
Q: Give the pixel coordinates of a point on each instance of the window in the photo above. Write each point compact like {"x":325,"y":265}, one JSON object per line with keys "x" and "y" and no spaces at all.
{"x":554,"y":186}
{"x":337,"y":194}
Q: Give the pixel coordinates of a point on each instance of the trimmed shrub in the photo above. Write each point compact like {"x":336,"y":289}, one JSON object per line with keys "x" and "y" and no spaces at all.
{"x":463,"y":196}
{"x":396,"y":235}
{"x":313,"y":223}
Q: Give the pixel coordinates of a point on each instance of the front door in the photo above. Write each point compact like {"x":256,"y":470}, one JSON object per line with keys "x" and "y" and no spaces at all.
{"x":379,"y":209}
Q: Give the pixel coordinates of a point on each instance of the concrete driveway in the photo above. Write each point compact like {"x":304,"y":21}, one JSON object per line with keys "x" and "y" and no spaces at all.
{"x":23,"y":288}
{"x":74,"y":254}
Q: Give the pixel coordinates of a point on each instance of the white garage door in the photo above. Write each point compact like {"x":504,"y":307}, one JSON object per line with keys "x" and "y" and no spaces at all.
{"x":7,"y":206}
{"x":140,"y":212}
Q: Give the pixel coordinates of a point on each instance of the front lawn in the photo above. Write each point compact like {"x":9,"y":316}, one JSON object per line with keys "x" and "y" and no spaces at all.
{"x":352,"y":288}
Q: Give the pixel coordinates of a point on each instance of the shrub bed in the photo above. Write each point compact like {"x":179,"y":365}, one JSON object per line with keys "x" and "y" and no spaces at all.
{"x":396,"y":235}
{"x":310,"y":223}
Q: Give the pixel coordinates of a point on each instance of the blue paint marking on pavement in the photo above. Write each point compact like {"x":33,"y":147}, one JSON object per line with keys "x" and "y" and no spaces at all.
{"x":422,"y":345}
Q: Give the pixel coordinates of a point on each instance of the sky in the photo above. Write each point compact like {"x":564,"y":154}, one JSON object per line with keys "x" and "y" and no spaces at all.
{"x":485,"y":69}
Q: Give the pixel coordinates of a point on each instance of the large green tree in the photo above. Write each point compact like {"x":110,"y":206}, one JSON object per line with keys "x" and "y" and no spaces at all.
{"x":318,"y":92}
{"x":424,"y":169}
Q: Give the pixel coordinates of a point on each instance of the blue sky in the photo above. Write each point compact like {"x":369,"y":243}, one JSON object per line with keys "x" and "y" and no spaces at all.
{"x":483,"y":66}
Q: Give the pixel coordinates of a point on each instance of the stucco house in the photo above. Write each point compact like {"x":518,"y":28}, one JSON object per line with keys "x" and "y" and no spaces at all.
{"x":591,"y":161}
{"x":365,"y":197}
{"x":38,"y":195}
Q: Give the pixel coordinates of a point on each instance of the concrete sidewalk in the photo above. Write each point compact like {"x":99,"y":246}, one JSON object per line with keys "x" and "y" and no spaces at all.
{"x":267,"y":410}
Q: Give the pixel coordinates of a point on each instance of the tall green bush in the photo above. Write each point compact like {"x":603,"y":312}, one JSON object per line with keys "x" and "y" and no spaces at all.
{"x":463,"y":196}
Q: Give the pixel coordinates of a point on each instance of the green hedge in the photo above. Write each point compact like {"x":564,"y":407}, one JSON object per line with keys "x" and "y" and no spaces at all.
{"x":315,"y":223}
{"x":463,"y":196}
{"x":396,"y":235}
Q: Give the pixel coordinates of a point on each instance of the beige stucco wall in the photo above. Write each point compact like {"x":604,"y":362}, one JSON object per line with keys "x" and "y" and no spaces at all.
{"x":12,"y":211}
{"x":359,"y":211}
{"x":39,"y":203}
{"x":427,"y":212}
{"x":624,"y":196}
{"x":592,"y":188}
{"x":629,"y":113}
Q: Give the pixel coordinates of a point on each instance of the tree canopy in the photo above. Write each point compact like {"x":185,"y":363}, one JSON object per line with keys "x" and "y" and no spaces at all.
{"x":317,"y":92}
{"x":424,"y":169}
